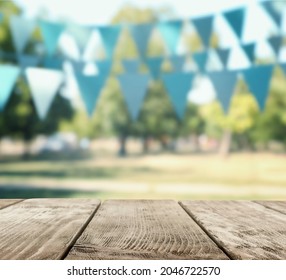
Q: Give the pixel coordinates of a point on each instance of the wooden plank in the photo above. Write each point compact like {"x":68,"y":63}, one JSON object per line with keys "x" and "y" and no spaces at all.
{"x":43,"y":228}
{"x":279,"y":206}
{"x":244,"y":229}
{"x":7,"y":202}
{"x":142,"y":229}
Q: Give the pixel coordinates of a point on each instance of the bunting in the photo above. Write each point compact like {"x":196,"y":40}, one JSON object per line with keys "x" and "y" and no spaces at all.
{"x":131,"y":65}
{"x":178,"y":62}
{"x":44,"y":85}
{"x":275,"y":42}
{"x":104,"y":66}
{"x":154,"y":64}
{"x":26,"y":60}
{"x":224,"y":83}
{"x":201,"y":60}
{"x":249,"y":50}
{"x":178,"y":86}
{"x":9,"y":75}
{"x":223,"y":55}
{"x":204,"y":27}
{"x":134,"y":88}
{"x":258,"y":80}
{"x":235,"y":19}
{"x":272,"y":12}
{"x":81,"y":35}
{"x":55,"y":63}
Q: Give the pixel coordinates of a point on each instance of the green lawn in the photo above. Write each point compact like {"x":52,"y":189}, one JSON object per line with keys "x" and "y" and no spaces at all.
{"x":242,"y":176}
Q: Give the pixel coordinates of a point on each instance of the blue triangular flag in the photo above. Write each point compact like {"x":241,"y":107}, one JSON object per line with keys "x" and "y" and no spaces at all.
{"x":131,"y":65}
{"x":90,"y":88}
{"x":110,"y":35}
{"x":249,"y":50}
{"x":27,"y":60}
{"x":81,"y":35}
{"x":8,"y":77}
{"x":258,"y":80}
{"x":236,"y":18}
{"x":104,"y":66}
{"x":276,"y":42}
{"x":224,"y":83}
{"x":223,"y":55}
{"x":178,"y":62}
{"x":51,"y":62}
{"x":51,"y":33}
{"x":272,"y":12}
{"x":44,"y":85}
{"x":154,"y":64}
{"x":178,"y":86}
{"x":78,"y":66}
{"x":171,"y":32}
{"x":141,"y":34}
{"x":134,"y":88}
{"x":204,"y":27}
{"x":201,"y":59}
{"x":21,"y":30}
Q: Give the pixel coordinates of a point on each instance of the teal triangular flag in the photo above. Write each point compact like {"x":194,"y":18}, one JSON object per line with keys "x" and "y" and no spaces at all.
{"x":171,"y":32}
{"x":204,"y":27}
{"x":44,"y":85}
{"x":141,"y":34}
{"x":223,"y":55}
{"x":8,"y":76}
{"x":81,"y":35}
{"x":51,"y":62}
{"x":110,"y":35}
{"x":224,"y":83}
{"x":131,"y":65}
{"x":178,"y":62}
{"x":258,"y":80}
{"x":273,"y":12}
{"x":154,"y":64}
{"x":276,"y":42}
{"x":134,"y":88}
{"x":51,"y":33}
{"x":26,"y":60}
{"x":201,"y":59}
{"x":104,"y":66}
{"x":21,"y":30}
{"x":178,"y":86}
{"x":90,"y":88}
{"x":78,"y":66}
{"x":249,"y":50}
{"x":236,"y":18}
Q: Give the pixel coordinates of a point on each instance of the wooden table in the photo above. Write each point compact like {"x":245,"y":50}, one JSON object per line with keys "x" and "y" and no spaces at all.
{"x":141,"y":229}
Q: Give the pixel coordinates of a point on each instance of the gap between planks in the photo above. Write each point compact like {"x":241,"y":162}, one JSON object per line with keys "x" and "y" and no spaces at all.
{"x":4,"y":203}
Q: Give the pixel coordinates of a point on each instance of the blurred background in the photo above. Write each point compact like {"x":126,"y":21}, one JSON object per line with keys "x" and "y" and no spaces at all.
{"x":207,"y":154}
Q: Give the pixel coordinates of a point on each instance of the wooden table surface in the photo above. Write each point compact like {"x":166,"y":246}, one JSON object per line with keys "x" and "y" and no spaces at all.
{"x":141,"y":229}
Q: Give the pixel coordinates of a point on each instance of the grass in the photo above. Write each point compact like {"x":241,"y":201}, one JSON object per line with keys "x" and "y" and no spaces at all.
{"x":240,"y":176}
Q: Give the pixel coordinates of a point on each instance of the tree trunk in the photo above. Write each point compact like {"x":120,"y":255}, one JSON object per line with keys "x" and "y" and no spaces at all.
{"x":225,"y":143}
{"x":122,"y":150}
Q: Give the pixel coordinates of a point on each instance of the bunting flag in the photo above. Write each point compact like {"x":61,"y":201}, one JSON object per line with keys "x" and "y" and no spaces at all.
{"x":21,"y":30}
{"x":273,"y":12}
{"x":141,"y":34}
{"x":51,"y":62}
{"x":223,"y":55}
{"x":235,"y":19}
{"x":275,"y":42}
{"x":134,"y":88}
{"x":104,"y":66}
{"x":258,"y":80}
{"x":81,"y":35}
{"x":26,"y":60}
{"x":249,"y":50}
{"x":8,"y":76}
{"x":224,"y":83}
{"x":178,"y":86}
{"x":90,"y":88}
{"x":51,"y":33}
{"x":131,"y":65}
{"x":283,"y":67}
{"x":109,"y":36}
{"x":204,"y":27}
{"x":44,"y":85}
{"x":201,"y":59}
{"x":154,"y":64}
{"x":178,"y":62}
{"x":171,"y":32}
{"x":78,"y":66}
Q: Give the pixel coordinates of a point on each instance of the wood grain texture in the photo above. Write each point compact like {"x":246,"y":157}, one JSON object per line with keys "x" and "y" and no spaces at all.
{"x":246,"y":230}
{"x":43,"y":228}
{"x":279,"y":206}
{"x":142,"y":229}
{"x":7,"y":202}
